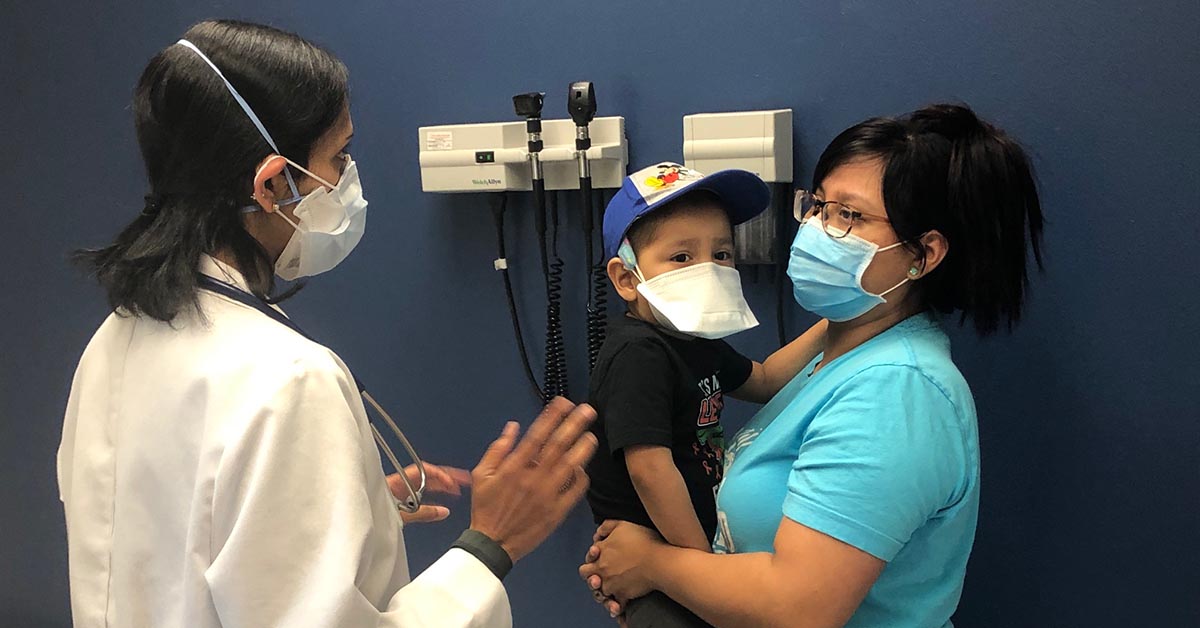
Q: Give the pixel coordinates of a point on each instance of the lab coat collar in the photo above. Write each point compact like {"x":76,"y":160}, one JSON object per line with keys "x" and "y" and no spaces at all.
{"x":221,"y":271}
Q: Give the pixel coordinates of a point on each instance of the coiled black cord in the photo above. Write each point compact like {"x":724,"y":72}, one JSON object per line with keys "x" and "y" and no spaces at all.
{"x":597,"y":310}
{"x":499,"y":204}
{"x":555,"y":372}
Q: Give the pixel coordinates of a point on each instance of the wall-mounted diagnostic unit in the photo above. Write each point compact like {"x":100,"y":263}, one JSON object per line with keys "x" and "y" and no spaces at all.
{"x":583,"y":153}
{"x":494,"y":156}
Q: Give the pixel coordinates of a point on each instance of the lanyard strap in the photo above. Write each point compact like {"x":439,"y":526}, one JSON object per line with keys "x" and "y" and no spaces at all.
{"x":245,"y":298}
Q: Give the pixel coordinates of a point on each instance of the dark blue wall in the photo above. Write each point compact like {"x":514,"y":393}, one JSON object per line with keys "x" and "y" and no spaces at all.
{"x":1089,"y":420}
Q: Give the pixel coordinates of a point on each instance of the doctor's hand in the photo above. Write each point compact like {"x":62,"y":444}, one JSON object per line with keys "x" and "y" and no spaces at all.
{"x":522,"y":491}
{"x":439,"y":480}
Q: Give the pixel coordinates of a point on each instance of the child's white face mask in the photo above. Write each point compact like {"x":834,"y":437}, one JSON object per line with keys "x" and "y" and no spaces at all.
{"x":703,"y":300}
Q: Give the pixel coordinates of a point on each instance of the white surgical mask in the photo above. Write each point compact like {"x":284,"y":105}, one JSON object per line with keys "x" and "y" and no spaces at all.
{"x":329,"y":223}
{"x":703,"y":300}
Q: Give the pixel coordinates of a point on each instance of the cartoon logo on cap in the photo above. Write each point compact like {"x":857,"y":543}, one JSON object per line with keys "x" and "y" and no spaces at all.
{"x":669,"y":174}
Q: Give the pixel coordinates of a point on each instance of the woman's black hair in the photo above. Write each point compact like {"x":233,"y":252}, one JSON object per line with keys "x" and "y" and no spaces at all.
{"x":200,"y":151}
{"x":944,"y":169}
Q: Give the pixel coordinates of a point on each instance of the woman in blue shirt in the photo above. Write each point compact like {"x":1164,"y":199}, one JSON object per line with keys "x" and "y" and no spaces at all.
{"x":852,"y":497}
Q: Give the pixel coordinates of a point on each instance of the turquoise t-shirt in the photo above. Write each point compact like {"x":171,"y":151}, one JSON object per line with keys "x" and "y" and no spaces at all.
{"x":879,"y":449}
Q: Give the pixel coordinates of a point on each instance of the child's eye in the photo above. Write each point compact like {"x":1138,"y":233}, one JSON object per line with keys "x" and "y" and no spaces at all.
{"x":722,"y":256}
{"x":681,"y":258}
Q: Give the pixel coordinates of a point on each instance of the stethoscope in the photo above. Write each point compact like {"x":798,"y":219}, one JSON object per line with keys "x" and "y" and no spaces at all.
{"x":413,"y":502}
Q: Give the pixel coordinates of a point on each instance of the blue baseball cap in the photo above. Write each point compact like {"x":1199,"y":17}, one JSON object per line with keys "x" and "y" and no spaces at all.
{"x":743,"y":196}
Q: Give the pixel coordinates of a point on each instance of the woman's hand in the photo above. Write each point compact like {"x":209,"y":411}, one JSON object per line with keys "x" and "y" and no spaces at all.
{"x":618,"y":563}
{"x":522,"y":491}
{"x":594,"y":583}
{"x":438,"y":480}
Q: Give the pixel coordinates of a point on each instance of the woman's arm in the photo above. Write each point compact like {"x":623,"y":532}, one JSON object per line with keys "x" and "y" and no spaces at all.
{"x":811,"y":580}
{"x":780,"y":367}
{"x":665,"y":496}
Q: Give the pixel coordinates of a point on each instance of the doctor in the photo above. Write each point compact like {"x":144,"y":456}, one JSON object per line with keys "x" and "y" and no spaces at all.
{"x":218,"y":468}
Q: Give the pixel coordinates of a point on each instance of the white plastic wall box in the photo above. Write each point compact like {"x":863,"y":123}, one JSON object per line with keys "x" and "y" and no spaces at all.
{"x":492,"y":157}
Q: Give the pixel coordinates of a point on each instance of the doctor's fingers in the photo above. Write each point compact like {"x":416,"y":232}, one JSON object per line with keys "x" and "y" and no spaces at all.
{"x":437,"y":480}
{"x":448,"y":480}
{"x":582,"y":449}
{"x":496,"y":452}
{"x":573,"y":489}
{"x":572,"y":431}
{"x":528,"y":451}
{"x":563,"y":484}
{"x":425,"y":514}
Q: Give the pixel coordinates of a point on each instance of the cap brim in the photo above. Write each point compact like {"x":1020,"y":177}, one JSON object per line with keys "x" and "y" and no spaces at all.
{"x":742,"y":194}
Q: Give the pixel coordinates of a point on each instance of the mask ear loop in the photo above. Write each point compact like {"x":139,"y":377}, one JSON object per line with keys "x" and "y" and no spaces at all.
{"x":629,"y":259}
{"x":297,"y":197}
{"x":310,"y":173}
{"x":913,"y":271}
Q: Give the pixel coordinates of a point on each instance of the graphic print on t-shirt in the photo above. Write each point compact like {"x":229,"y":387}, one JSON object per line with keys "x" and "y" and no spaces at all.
{"x":710,"y":437}
{"x":711,"y":403}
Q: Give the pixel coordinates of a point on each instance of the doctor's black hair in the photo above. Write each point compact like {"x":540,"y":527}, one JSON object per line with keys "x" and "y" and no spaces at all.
{"x":947,"y":170}
{"x":200,"y":152}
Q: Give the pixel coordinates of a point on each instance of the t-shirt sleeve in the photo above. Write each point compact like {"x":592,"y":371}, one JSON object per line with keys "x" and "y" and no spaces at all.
{"x":735,"y":367}
{"x":883,"y":456}
{"x":635,"y":397}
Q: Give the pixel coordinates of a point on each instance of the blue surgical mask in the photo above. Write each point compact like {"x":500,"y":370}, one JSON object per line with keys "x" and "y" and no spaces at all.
{"x":827,"y":272}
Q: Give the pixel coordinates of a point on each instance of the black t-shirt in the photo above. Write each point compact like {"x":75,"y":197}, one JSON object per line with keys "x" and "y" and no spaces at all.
{"x":650,"y":387}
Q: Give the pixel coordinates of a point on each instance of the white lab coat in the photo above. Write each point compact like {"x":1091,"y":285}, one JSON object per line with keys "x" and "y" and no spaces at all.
{"x":223,"y":474}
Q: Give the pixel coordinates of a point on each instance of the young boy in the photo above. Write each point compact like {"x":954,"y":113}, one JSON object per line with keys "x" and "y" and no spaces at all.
{"x":659,"y":381}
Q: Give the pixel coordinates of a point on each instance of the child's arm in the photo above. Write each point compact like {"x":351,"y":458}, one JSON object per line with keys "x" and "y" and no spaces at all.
{"x":771,"y":375}
{"x":665,"y":496}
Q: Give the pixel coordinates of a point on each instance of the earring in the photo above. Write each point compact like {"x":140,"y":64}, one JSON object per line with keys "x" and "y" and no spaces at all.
{"x":913,"y":272}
